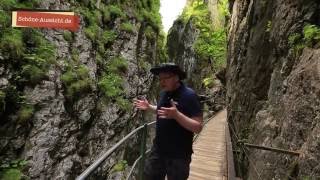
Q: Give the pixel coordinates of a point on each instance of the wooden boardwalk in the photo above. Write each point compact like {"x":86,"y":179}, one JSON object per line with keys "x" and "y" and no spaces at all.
{"x":209,"y":161}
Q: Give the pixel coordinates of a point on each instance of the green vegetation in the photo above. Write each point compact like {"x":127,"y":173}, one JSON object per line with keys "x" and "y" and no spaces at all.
{"x":9,"y":4}
{"x":111,"y":83}
{"x":77,"y":81}
{"x":127,"y":26}
{"x":208,"y":82}
{"x":211,"y":44}
{"x":108,"y":36}
{"x":117,"y":65}
{"x":27,"y":55}
{"x":12,"y":170}
{"x":311,"y":34}
{"x":309,"y":38}
{"x":67,"y":35}
{"x":116,"y":11}
{"x":269,"y":24}
{"x":120,"y":166}
{"x":12,"y":44}
{"x":25,"y":113}
{"x":92,"y":32}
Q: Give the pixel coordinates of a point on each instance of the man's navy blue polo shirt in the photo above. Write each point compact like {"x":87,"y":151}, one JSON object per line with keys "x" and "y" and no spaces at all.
{"x":172,"y":140}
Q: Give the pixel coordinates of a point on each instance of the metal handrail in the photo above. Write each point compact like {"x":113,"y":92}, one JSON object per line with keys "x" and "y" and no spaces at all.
{"x":135,"y":163}
{"x":97,"y":163}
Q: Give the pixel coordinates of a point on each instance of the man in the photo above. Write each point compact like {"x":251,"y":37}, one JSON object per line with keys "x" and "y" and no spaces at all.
{"x":179,"y":115}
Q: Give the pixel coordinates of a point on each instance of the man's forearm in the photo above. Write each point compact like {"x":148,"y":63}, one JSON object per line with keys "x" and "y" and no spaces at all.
{"x":192,"y":124}
{"x":152,"y":108}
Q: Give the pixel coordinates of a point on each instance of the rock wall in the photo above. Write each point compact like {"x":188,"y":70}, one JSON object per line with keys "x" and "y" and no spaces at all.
{"x":65,"y":135}
{"x":273,"y":87}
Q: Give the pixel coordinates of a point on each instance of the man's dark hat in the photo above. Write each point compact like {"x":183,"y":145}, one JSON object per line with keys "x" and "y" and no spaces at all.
{"x":168,"y":67}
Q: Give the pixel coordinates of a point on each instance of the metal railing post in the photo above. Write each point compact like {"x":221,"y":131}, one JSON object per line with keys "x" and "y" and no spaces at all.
{"x":144,"y":133}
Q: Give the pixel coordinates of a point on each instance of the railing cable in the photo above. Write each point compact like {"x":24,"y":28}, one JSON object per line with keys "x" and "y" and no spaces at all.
{"x":101,"y":159}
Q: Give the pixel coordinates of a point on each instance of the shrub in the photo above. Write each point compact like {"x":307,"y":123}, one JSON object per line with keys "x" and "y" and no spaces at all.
{"x":12,"y":44}
{"x":76,"y":81}
{"x":33,"y":74}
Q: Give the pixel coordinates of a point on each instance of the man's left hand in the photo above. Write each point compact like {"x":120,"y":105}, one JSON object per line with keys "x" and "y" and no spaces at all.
{"x":168,"y":113}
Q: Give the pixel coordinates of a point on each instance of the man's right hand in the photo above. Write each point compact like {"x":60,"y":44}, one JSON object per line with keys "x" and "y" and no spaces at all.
{"x":141,"y":104}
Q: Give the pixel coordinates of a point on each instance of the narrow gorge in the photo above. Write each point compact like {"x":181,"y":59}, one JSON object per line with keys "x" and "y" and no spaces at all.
{"x":66,"y":97}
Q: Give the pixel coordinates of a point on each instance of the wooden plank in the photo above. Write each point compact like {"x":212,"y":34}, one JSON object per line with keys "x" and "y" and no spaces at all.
{"x":210,"y":151}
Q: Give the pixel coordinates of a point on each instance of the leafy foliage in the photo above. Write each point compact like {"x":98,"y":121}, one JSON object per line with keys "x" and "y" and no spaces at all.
{"x":311,"y":34}
{"x":309,"y":38}
{"x":211,"y":44}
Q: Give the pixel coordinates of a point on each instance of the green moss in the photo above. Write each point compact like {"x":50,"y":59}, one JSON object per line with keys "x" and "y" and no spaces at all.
{"x":25,"y":113}
{"x":128,"y":27}
{"x":67,"y":35}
